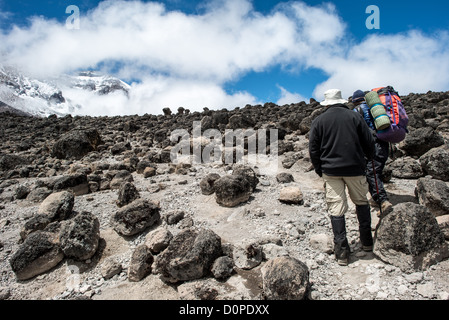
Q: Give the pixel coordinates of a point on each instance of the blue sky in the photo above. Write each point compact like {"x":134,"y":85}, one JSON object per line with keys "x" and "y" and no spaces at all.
{"x":227,"y":53}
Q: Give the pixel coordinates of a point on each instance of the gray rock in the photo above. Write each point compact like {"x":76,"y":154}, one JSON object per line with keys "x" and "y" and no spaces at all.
{"x":11,"y":161}
{"x":248,"y":173}
{"x":189,"y":256}
{"x":158,"y":240}
{"x":110,"y":268}
{"x":121,"y":147}
{"x":38,"y":254}
{"x":207,"y":183}
{"x":77,"y":183}
{"x":140,"y":265}
{"x":410,"y":238}
{"x":271,"y":251}
{"x":120,"y":178}
{"x":421,"y":140}
{"x":443,"y":223}
{"x":406,"y":168}
{"x":285,"y":278}
{"x":57,"y":206}
{"x":285,"y":177}
{"x":322,"y":243}
{"x":222,"y":268}
{"x":79,"y":237}
{"x":76,"y":144}
{"x":291,"y":195}
{"x":232,"y":190}
{"x":127,"y":194}
{"x":22,"y":192}
{"x":37,"y":222}
{"x":174,"y":217}
{"x":247,"y":256}
{"x":436,"y":163}
{"x":135,"y":217}
{"x":38,"y":194}
{"x":434,"y":195}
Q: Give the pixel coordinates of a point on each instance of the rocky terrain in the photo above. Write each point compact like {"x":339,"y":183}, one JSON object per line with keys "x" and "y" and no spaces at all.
{"x":94,"y":208}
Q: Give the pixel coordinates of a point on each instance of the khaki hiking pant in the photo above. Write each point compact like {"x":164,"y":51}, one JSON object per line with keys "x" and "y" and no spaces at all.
{"x":335,"y":188}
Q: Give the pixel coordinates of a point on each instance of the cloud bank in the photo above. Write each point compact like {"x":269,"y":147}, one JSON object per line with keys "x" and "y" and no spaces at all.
{"x":173,"y":59}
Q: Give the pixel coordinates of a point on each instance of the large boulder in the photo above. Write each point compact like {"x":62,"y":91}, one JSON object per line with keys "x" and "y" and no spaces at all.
{"x":37,"y":222}
{"x":77,"y":183}
{"x":436,"y":163}
{"x":410,"y":238}
{"x":57,"y":206}
{"x":158,"y":240}
{"x":140,"y":264}
{"x":291,"y":195}
{"x":434,"y":195}
{"x":421,"y":140}
{"x":76,"y":144}
{"x":285,"y":278}
{"x":127,"y":193}
{"x":207,"y":183}
{"x":240,"y":121}
{"x":189,"y":256}
{"x":248,"y":173}
{"x":406,"y":168}
{"x":232,"y":190}
{"x":79,"y":237}
{"x":38,"y":254}
{"x":11,"y":161}
{"x":135,"y":217}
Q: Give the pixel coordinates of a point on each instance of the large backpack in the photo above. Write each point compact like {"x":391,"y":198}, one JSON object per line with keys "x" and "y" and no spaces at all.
{"x":397,"y":130}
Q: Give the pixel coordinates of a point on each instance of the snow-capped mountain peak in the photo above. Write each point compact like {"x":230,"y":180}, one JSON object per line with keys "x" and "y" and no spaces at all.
{"x":63,"y":95}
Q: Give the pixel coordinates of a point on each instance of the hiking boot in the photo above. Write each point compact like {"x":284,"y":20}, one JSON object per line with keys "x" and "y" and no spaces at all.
{"x":341,"y":245}
{"x":386,"y":206}
{"x":373,"y":203}
{"x":342,"y":253}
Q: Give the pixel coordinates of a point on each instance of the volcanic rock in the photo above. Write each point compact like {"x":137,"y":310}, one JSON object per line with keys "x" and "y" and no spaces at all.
{"x":189,"y":256}
{"x":285,"y":278}
{"x":79,"y":237}
{"x":434,"y":195}
{"x":410,"y":238}
{"x":76,"y":144}
{"x":207,"y":183}
{"x":135,"y":217}
{"x":421,"y":140}
{"x":57,"y":206}
{"x":140,"y":265}
{"x":127,"y":194}
{"x":436,"y":163}
{"x":39,"y":253}
{"x":232,"y":190}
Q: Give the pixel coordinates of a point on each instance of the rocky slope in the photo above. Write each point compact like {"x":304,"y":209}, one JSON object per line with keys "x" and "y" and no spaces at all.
{"x":94,"y":208}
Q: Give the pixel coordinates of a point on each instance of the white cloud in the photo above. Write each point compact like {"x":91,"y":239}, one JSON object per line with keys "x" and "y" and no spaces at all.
{"x":185,"y":60}
{"x":411,"y":62}
{"x":289,"y":97}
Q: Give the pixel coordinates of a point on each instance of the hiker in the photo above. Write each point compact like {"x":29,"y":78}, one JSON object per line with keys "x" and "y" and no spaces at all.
{"x":339,"y":141}
{"x":375,"y":167}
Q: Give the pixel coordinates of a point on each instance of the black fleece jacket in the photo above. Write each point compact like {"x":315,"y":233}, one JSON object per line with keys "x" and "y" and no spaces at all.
{"x":339,"y":141}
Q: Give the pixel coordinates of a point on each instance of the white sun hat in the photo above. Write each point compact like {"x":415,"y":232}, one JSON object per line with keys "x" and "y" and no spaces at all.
{"x":333,"y":96}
